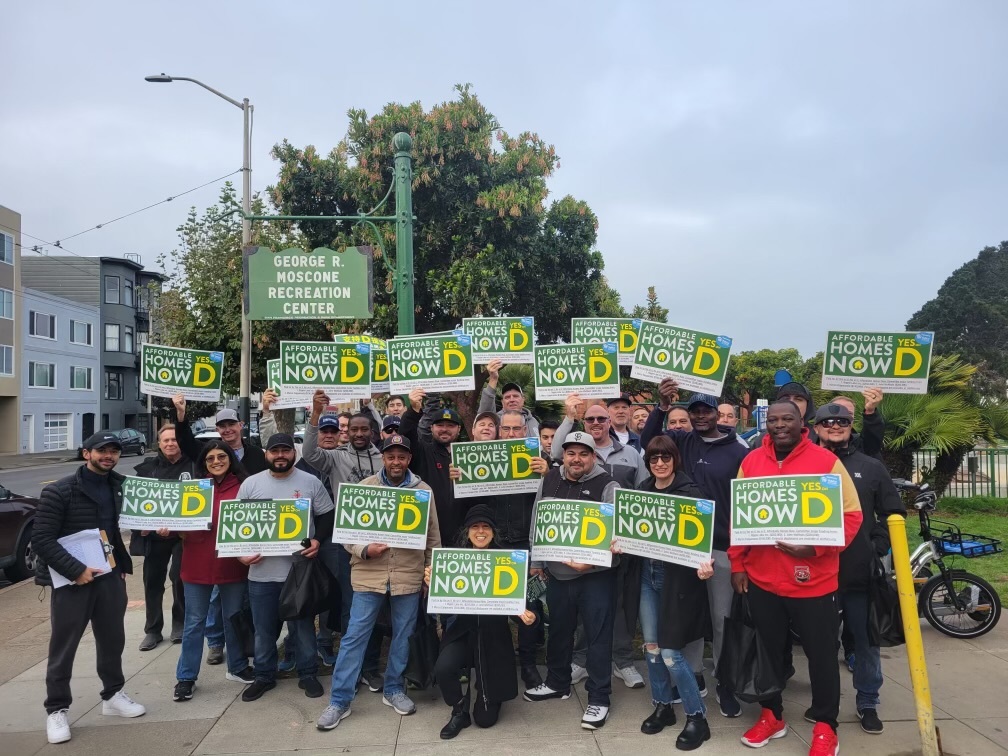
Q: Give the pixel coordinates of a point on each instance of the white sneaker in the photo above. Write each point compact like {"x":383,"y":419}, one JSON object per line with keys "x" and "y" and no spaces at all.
{"x":594,"y":717}
{"x":578,"y":673}
{"x":121,"y":705}
{"x":629,"y":675}
{"x":58,"y":726}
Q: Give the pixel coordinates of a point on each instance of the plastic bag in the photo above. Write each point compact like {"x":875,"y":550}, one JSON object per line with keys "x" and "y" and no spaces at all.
{"x":305,"y":592}
{"x":885,"y":620}
{"x":745,"y":667}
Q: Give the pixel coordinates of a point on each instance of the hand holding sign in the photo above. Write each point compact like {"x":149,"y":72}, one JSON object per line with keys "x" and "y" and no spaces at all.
{"x":668,"y":391}
{"x":269,"y":398}
{"x":375,"y":550}
{"x":416,"y":397}
{"x":872,"y":399}
{"x":493,"y":368}
{"x":320,"y":400}
{"x":180,"y":406}
{"x":571,"y":406}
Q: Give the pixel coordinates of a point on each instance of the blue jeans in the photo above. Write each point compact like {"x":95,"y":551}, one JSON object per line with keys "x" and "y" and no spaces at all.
{"x":363,"y":614}
{"x":264,"y":598}
{"x":197,"y":598}
{"x":666,"y":666}
{"x":215,"y":621}
{"x":867,"y":659}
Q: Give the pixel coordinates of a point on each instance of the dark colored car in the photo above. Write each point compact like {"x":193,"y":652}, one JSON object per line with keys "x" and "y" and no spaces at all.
{"x":133,"y":442}
{"x":17,"y":517}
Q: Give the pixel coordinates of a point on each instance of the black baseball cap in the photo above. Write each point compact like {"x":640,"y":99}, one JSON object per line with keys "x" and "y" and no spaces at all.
{"x":328,"y":420}
{"x":396,"y":440}
{"x":280,"y":439}
{"x":706,"y":399}
{"x":392,"y":421}
{"x":828,"y":411}
{"x":446,"y":416}
{"x":100,"y":439}
{"x":625,"y":398}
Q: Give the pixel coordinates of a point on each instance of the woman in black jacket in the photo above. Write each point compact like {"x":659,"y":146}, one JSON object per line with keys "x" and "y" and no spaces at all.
{"x":481,"y":642}
{"x":673,"y":610}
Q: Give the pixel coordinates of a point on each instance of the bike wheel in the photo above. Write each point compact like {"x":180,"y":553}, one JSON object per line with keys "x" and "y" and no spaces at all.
{"x":961,"y":605}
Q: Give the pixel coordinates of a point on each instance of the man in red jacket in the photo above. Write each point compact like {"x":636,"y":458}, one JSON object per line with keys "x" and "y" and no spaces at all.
{"x":792,"y":585}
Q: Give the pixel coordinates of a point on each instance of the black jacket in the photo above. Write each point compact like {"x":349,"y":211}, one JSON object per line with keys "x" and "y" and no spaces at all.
{"x":683,"y":614}
{"x":879,"y":499}
{"x":64,"y":508}
{"x":872,"y":435}
{"x":160,"y":468}
{"x":431,"y":461}
{"x":711,"y":466}
{"x":253,"y":460}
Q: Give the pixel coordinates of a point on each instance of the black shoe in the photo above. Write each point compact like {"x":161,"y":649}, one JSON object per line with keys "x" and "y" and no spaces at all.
{"x":531,"y":677}
{"x":701,"y":683}
{"x":246,"y":676}
{"x":663,"y":716}
{"x":311,"y":686}
{"x":870,"y":721}
{"x":215,"y":655}
{"x":150,"y":641}
{"x":694,"y":733}
{"x":460,"y":719}
{"x":373,"y":680}
{"x":176,"y":635}
{"x":183,"y":690}
{"x":255,"y":691}
{"x":808,"y":715}
{"x":730,"y":707}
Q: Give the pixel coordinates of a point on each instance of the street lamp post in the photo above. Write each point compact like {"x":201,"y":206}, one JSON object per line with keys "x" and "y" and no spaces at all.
{"x":245,"y":375}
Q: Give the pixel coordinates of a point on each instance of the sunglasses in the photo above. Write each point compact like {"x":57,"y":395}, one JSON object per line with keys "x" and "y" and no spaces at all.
{"x":597,"y":419}
{"x":835,"y":422}
{"x":215,"y":458}
{"x":666,"y":458}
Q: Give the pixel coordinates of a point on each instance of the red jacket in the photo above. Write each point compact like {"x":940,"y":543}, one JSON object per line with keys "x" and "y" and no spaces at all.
{"x":200,"y":564}
{"x":769,"y":567}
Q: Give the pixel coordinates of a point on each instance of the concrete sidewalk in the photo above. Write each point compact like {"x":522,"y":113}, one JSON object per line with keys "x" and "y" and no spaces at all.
{"x":18,"y":461}
{"x":969,"y":681}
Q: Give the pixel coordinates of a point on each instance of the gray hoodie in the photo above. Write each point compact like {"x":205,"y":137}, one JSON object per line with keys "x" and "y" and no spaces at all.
{"x":624,"y":463}
{"x":344,"y":464}
{"x":488,"y":403}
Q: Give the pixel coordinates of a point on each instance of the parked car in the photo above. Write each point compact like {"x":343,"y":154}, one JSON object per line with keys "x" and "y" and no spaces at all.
{"x":133,"y":442}
{"x":17,"y":518}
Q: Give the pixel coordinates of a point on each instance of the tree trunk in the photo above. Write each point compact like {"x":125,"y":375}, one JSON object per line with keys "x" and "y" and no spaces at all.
{"x":946,"y":466}
{"x":284,"y":420}
{"x":900,"y":462}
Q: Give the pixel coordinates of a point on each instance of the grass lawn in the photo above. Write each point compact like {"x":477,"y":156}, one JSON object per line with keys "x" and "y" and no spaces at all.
{"x":993,"y":569}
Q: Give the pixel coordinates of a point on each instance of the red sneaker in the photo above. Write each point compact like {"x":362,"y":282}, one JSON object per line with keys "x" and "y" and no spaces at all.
{"x":766,"y":729}
{"x":824,"y":741}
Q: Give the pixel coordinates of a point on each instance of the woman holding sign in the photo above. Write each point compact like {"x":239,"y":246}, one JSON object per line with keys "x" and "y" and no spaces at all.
{"x":482,"y":642}
{"x":202,"y":569}
{"x":673,"y":611}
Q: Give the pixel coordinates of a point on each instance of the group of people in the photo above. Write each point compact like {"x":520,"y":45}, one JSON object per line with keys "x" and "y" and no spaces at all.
{"x":688,"y":449}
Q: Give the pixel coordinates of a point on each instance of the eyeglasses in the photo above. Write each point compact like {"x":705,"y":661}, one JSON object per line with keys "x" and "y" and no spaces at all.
{"x":839,"y":422}
{"x":215,"y":458}
{"x":512,"y":428}
{"x":666,"y":458}
{"x":597,"y":419}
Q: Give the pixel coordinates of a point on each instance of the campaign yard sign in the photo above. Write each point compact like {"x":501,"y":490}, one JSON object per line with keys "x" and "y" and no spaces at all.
{"x":591,"y":370}
{"x":323,"y":284}
{"x":478,"y":581}
{"x":573,"y":530}
{"x":269,"y":527}
{"x":495,"y":467}
{"x":676,"y":529}
{"x":343,"y":371}
{"x":381,"y":514}
{"x":174,"y":504}
{"x":435,"y":362}
{"x":194,"y":373}
{"x":292,"y":398}
{"x":898,"y":363}
{"x":796,"y":509}
{"x":379,"y":358}
{"x":507,"y":339}
{"x":697,"y":361}
{"x":622,"y":331}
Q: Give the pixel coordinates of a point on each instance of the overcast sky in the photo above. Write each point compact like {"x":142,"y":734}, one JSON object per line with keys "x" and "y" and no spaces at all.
{"x":776,"y":169}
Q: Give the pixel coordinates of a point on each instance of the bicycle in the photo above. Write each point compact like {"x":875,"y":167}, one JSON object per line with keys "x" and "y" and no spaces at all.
{"x":955,"y":602}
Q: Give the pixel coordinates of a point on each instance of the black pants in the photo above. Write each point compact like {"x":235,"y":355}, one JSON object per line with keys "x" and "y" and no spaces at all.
{"x":103,"y":604}
{"x":817,"y":623}
{"x":159,"y":552}
{"x":591,"y":596}
{"x":456,"y":656}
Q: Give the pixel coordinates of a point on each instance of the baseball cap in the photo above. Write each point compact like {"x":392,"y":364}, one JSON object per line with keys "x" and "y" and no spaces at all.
{"x":280,"y":439}
{"x":512,"y":387}
{"x":490,"y":415}
{"x":392,"y":421}
{"x":102,"y":438}
{"x":226,"y":416}
{"x":329,"y":420}
{"x":446,"y":416}
{"x":828,"y":411}
{"x":396,"y":440}
{"x":707,"y":399}
{"x":625,"y":398}
{"x":794,"y":389}
{"x":579,"y":437}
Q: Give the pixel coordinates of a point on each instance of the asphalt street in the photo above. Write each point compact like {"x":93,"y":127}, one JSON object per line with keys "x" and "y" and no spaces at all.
{"x":29,"y":481}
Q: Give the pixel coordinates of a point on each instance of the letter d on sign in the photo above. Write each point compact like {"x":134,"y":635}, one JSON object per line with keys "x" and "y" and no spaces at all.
{"x":290,"y":524}
{"x":500,"y":571}
{"x":901,"y":354}
{"x":198,"y":504}
{"x":203,"y":374}
{"x":460,"y":361}
{"x":586,"y":524}
{"x":351,"y":376}
{"x":806,"y":499}
{"x":599,"y":370}
{"x":521,"y":465}
{"x":518,"y":340}
{"x":410,"y":509}
{"x":715,"y":361}
{"x":688,"y":519}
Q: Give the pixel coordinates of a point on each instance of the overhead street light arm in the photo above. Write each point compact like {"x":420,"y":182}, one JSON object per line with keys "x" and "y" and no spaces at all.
{"x":166,"y":79}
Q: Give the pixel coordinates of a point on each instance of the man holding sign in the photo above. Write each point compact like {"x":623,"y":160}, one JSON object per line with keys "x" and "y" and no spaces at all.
{"x":793,"y":584}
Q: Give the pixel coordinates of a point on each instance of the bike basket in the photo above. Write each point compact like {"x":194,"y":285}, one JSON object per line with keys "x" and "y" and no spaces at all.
{"x":953,"y":542}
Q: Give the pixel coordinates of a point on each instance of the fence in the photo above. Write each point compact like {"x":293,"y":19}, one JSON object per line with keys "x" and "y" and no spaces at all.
{"x":983,"y":472}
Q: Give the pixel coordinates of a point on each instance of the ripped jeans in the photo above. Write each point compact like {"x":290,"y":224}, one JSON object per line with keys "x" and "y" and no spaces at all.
{"x":666,"y":666}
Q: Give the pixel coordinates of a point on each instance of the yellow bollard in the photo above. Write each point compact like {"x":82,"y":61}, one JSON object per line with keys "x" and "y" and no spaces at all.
{"x":914,"y":642}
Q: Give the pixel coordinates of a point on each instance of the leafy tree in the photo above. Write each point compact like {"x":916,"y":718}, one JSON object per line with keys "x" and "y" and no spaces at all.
{"x":653,"y":310}
{"x":751,"y":374}
{"x":970,"y":317}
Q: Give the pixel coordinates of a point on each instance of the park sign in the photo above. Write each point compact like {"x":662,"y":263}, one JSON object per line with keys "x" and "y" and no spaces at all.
{"x":573,"y":530}
{"x":697,"y":361}
{"x":194,"y":373}
{"x":623,"y":331}
{"x":796,"y":509}
{"x":478,"y":581}
{"x":898,"y":363}
{"x":174,"y":504}
{"x":590,"y":370}
{"x":343,"y":371}
{"x":509,"y":340}
{"x":289,"y":399}
{"x":379,"y":358}
{"x":272,"y":527}
{"x":435,"y":362}
{"x":495,"y":467}
{"x":293,"y":284}
{"x":394,"y":516}
{"x":675,"y":529}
